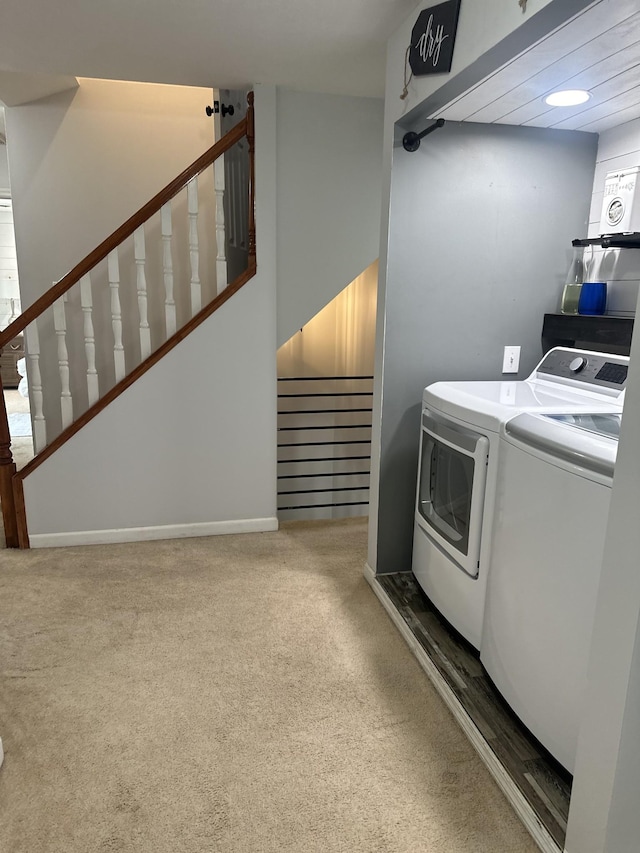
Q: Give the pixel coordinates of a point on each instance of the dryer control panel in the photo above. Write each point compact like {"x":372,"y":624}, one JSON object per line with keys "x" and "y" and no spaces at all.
{"x":597,"y":370}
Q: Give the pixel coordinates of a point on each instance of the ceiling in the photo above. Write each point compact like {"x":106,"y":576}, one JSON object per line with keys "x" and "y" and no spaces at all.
{"x":598,"y":50}
{"x":334,"y":46}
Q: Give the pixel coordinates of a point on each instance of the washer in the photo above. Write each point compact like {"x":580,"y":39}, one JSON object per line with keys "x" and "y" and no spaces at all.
{"x":552,"y":505}
{"x":459,"y":460}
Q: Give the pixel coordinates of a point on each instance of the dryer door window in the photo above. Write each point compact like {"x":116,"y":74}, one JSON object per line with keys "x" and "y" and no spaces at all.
{"x":451,"y":485}
{"x":446,"y":487}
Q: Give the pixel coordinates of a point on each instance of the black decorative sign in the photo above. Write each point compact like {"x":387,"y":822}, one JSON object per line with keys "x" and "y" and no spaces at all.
{"x":433,"y":37}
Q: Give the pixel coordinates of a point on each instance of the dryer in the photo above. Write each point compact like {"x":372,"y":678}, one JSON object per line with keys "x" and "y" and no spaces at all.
{"x":459,"y":460}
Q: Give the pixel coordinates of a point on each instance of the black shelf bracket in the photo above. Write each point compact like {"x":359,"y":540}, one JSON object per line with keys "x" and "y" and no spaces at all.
{"x":411,"y":140}
{"x":611,"y":241}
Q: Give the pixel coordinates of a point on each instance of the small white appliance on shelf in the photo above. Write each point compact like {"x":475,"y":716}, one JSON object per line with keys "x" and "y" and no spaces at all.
{"x":621,"y":205}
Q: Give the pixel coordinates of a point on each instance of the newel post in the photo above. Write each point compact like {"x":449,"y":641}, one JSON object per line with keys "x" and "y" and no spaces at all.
{"x":7,"y":471}
{"x":252,"y":182}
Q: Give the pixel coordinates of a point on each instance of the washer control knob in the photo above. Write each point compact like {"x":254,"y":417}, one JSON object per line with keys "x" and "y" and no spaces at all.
{"x":578,"y":364}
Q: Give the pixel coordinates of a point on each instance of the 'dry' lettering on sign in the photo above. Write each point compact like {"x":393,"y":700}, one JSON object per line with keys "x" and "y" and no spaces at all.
{"x":433,"y":38}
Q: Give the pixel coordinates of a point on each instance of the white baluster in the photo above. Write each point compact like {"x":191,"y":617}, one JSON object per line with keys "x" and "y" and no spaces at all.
{"x":243,"y":192}
{"x":192,"y":206}
{"x":167,"y":267}
{"x":141,"y":284}
{"x":221,"y":256}
{"x":60,"y":325}
{"x":35,"y":384}
{"x":116,"y":313}
{"x":86,"y":301}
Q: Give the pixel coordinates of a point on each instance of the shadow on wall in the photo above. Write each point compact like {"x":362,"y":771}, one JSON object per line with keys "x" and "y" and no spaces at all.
{"x":398,"y":482}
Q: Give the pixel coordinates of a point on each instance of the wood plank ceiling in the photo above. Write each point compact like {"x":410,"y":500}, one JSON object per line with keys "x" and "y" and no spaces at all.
{"x":598,"y":50}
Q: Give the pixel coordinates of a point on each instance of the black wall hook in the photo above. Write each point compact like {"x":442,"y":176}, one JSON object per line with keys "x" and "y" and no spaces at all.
{"x":411,"y":140}
{"x":226,"y":110}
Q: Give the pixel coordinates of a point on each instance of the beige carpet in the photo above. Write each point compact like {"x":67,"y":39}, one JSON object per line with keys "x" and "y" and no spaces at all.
{"x":236,"y":694}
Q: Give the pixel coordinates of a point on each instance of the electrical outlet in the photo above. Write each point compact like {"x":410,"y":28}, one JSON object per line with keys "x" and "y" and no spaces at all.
{"x":511,"y":360}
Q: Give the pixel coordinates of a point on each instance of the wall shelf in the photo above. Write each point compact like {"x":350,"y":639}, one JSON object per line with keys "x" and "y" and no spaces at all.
{"x":611,"y":241}
{"x":601,"y":333}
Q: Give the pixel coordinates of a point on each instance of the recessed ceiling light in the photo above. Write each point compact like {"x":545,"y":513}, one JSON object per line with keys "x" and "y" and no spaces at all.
{"x":567,"y":98}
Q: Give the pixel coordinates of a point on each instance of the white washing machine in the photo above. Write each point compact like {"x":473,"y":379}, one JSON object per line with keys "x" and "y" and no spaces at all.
{"x":459,"y":460}
{"x":551,"y":511}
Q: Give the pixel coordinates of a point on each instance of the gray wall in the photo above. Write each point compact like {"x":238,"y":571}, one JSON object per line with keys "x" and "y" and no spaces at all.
{"x":328,"y":199}
{"x":481,"y":223}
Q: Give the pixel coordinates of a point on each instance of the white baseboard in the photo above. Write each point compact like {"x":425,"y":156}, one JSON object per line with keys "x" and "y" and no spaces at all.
{"x":144,"y":534}
{"x":508,"y":787}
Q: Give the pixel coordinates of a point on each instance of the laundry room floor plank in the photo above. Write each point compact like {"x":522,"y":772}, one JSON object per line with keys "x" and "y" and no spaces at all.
{"x":546,"y":787}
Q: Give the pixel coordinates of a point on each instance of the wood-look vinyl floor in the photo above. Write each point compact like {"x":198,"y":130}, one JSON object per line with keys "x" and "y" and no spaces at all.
{"x":546,"y":787}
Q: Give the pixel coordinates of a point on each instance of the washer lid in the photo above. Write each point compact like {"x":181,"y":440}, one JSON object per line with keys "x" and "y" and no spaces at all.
{"x":587,"y":447}
{"x":605,"y":424}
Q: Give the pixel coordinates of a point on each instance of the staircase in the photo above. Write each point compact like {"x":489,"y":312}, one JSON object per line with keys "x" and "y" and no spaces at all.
{"x":126,"y":305}
{"x":324,"y":446}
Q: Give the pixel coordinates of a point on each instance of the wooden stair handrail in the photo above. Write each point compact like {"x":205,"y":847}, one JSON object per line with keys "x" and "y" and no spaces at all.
{"x":127,"y":228}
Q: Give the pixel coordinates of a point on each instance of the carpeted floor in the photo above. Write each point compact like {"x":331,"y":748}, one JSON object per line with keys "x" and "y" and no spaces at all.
{"x":236,"y":694}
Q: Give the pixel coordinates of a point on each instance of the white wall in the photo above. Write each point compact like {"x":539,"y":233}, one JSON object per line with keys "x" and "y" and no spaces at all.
{"x":76,"y":166}
{"x":328,"y":199}
{"x":619,"y":148}
{"x":82,"y":162}
{"x":191,"y":448}
{"x":9,"y":286}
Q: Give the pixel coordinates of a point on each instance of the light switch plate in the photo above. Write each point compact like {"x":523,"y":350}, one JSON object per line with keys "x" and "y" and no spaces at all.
{"x":511,"y":360}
